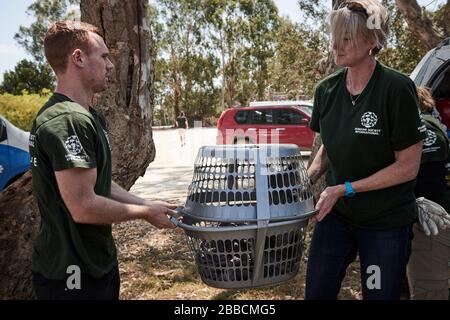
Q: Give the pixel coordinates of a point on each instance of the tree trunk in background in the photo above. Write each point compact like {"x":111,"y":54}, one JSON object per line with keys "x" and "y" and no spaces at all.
{"x":320,"y":184}
{"x":419,"y":24}
{"x":127,"y":106}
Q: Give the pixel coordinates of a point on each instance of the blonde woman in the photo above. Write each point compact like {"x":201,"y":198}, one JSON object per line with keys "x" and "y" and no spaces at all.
{"x":368,"y":117}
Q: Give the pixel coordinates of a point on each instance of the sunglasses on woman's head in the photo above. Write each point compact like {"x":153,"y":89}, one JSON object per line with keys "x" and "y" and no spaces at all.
{"x":356,"y":7}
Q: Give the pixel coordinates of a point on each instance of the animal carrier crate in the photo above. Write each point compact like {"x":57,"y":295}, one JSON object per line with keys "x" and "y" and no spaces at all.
{"x":246,"y":214}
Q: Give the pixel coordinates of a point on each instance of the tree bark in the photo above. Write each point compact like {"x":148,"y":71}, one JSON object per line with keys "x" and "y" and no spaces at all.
{"x":419,"y":24}
{"x":127,"y":106}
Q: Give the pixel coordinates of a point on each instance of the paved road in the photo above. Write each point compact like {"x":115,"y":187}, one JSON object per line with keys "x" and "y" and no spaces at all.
{"x":169,"y":175}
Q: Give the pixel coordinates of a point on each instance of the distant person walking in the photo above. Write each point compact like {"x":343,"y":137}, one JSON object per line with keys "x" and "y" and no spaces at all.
{"x":182,"y":125}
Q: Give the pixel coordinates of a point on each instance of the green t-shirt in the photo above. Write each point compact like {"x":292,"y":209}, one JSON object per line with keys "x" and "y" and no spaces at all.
{"x":66,"y":135}
{"x":361,"y":140}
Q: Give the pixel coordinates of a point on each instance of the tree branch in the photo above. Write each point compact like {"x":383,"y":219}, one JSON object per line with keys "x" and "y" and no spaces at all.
{"x":419,"y":24}
{"x":447,"y":14}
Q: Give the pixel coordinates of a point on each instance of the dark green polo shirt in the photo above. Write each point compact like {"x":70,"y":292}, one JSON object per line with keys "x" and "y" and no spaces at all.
{"x":361,"y":140}
{"x":66,"y":135}
{"x":435,"y":145}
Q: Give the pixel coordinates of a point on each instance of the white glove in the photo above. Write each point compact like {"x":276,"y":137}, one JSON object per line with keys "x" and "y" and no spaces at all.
{"x":432,"y":216}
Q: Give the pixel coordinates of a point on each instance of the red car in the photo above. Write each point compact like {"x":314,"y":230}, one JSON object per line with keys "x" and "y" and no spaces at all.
{"x":267,"y":122}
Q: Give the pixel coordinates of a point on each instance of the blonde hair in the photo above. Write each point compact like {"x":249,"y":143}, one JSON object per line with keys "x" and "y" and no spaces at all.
{"x":363,"y":18}
{"x":426,"y":100}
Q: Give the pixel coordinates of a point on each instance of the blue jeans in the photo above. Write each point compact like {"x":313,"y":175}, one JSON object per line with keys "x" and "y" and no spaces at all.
{"x":383,"y":255}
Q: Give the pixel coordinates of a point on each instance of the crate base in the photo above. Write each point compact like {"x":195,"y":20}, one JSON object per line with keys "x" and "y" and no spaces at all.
{"x":229,"y":257}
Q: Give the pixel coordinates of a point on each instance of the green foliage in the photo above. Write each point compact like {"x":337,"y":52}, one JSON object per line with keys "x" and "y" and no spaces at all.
{"x":185,"y":68}
{"x":263,"y":23}
{"x":441,"y":19}
{"x":314,"y":9}
{"x":298,"y":49}
{"x":27,"y":76}
{"x":403,"y":51}
{"x":21,"y":110}
{"x":35,"y":75}
{"x":45,"y":11}
{"x":211,"y":53}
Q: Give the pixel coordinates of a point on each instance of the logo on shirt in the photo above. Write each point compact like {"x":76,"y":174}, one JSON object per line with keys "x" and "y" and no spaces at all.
{"x":422,"y":128}
{"x":430,"y":139}
{"x":1,"y":168}
{"x":73,"y":145}
{"x":368,"y":121}
{"x":75,"y":149}
{"x":32,"y":140}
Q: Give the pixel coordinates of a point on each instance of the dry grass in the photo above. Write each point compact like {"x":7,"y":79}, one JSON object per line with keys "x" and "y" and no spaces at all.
{"x":157,"y":264}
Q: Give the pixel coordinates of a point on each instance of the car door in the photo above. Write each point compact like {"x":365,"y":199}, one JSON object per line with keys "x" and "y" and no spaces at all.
{"x":285,"y":121}
{"x":4,"y":155}
{"x":262,"y":125}
{"x":293,"y":127}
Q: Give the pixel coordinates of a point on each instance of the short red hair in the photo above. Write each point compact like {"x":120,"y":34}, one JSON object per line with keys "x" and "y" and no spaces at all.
{"x":62,"y":38}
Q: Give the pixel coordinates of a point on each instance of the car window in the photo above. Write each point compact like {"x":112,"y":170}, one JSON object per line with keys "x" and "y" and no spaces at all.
{"x":419,"y":71}
{"x":286,"y":116}
{"x":261,"y":116}
{"x":241,"y":117}
{"x":307,"y":110}
{"x":3,"y":135}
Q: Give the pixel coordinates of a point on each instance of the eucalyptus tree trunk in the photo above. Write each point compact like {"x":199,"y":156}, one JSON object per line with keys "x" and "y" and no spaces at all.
{"x":127,"y":106}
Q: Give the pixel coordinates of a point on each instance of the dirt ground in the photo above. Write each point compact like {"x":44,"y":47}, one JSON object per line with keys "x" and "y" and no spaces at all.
{"x":157,"y":264}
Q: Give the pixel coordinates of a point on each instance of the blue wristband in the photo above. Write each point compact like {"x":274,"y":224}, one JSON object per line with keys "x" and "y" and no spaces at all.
{"x":349,"y":192}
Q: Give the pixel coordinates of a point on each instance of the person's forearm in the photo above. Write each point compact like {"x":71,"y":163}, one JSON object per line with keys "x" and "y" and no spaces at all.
{"x":121,"y":195}
{"x":101,"y":210}
{"x":319,"y":165}
{"x":404,"y":169}
{"x":392,"y":175}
